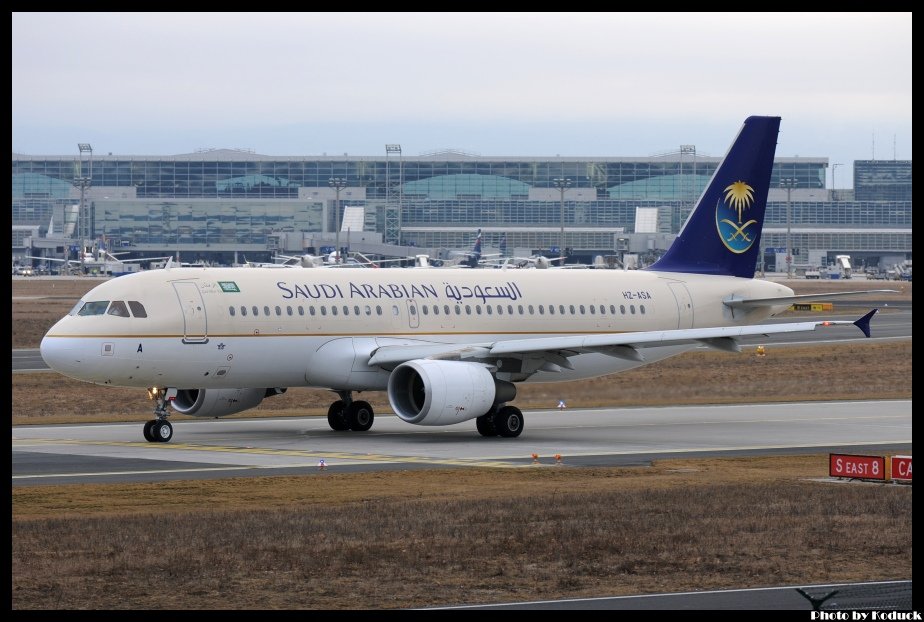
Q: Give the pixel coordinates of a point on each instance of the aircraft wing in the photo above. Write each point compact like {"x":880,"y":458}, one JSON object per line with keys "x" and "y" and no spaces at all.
{"x":72,"y":261}
{"x":629,"y":346}
{"x":739,"y":303}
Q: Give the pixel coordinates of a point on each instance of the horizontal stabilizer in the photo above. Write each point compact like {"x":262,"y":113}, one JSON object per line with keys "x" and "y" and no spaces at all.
{"x":863,"y":322}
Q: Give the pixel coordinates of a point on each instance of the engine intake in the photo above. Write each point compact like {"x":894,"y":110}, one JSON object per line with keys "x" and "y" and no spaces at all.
{"x":219,"y":402}
{"x":428,"y":392}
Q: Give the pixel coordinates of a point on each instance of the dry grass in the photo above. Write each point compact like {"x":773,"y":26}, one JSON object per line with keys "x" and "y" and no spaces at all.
{"x":411,"y":539}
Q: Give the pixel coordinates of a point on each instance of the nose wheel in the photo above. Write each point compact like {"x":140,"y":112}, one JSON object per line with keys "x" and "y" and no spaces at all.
{"x":159,"y":430}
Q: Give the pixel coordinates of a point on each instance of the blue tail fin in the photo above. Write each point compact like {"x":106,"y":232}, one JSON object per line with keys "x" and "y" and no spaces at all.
{"x":722,"y":234}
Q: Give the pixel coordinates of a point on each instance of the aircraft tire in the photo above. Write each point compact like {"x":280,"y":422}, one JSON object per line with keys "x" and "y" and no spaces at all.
{"x":508,"y":421}
{"x":148,"y":434}
{"x":485,"y":425}
{"x":162,"y":431}
{"x":359,"y":416}
{"x":335,"y":416}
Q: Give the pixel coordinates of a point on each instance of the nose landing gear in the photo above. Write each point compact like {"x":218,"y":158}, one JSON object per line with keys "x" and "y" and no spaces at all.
{"x":159,"y":430}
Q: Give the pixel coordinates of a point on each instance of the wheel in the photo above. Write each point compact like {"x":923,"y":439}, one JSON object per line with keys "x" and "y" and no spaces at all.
{"x":335,"y":416}
{"x":509,"y":421}
{"x":485,"y":425}
{"x":359,"y":416}
{"x":162,"y":431}
{"x":148,"y":434}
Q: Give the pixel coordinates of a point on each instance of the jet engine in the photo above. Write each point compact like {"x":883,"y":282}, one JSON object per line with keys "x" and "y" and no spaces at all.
{"x":430,"y":392}
{"x":219,"y":402}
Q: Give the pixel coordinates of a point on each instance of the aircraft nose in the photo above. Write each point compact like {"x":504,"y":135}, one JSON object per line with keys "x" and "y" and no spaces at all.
{"x":61,"y":355}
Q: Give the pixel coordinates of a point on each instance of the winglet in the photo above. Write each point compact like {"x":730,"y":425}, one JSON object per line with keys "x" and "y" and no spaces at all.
{"x":863,"y":322}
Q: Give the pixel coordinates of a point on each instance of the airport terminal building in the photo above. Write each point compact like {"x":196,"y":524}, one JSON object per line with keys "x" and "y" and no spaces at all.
{"x":229,"y":205}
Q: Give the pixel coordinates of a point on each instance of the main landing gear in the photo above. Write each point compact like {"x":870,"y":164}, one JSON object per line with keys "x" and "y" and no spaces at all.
{"x":506,"y":421}
{"x":158,"y":430}
{"x":347,"y":414}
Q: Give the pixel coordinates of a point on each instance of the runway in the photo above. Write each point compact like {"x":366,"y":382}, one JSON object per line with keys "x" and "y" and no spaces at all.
{"x":587,"y":437}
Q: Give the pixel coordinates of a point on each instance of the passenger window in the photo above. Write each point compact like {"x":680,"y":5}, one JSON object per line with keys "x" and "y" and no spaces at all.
{"x":289,"y":310}
{"x":333,"y":310}
{"x":311,"y":310}
{"x":541,"y":310}
{"x":445,"y":309}
{"x":602,"y":309}
{"x":243,"y":310}
{"x":592,"y":310}
{"x":378,"y":309}
{"x":458,"y":309}
{"x":266,"y":310}
{"x":561,"y":309}
{"x":231,"y":311}
{"x":531,"y":311}
{"x":500,"y":309}
{"x":622,"y":309}
{"x":425,"y":309}
{"x":489,"y":309}
{"x":641,"y":309}
{"x":509,"y":309}
{"x":279,"y":311}
{"x":323,"y":310}
{"x":582,"y":309}
{"x":94,"y":308}
{"x":368,"y":310}
{"x":355,"y":309}
{"x":468,"y":309}
{"x":412,"y":309}
{"x":632,"y":309}
{"x":301,"y":310}
{"x":394,"y":310}
{"x":137,"y":308}
{"x":571,"y":308}
{"x":118,"y":309}
{"x":478,"y":309}
{"x":256,"y":311}
{"x":520,"y":309}
{"x":436,"y":309}
{"x":346,"y":310}
{"x":612,"y":309}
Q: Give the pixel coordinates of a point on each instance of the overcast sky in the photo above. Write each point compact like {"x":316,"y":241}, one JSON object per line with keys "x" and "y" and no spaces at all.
{"x":531,"y":84}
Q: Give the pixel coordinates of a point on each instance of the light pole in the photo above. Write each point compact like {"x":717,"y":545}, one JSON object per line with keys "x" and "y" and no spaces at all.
{"x":338,"y":184}
{"x":83,"y":181}
{"x":789,"y":183}
{"x":561,"y":183}
{"x":833,"y":187}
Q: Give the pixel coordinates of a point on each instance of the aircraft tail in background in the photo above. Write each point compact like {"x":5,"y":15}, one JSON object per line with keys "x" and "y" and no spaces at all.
{"x":722,"y":234}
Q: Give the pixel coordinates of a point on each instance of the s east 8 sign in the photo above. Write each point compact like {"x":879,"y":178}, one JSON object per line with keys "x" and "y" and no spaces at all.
{"x":857,"y":467}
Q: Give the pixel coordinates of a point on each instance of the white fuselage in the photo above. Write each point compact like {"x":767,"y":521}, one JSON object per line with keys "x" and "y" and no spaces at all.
{"x":265,"y":327}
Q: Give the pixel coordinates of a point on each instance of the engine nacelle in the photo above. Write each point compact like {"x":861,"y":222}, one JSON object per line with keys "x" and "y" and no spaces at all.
{"x":218,"y":402}
{"x":429,"y":392}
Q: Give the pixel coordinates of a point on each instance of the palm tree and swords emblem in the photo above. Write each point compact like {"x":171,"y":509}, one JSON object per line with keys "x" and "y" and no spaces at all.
{"x":738,"y":197}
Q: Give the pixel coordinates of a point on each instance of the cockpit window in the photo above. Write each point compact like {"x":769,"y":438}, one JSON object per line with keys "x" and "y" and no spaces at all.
{"x":137,"y":308}
{"x":118,"y":308}
{"x":97,"y":307}
{"x":76,"y":308}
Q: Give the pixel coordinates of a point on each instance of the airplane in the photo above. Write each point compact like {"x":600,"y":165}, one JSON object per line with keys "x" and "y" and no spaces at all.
{"x":448,"y":346}
{"x":473,"y":258}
